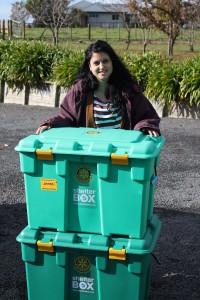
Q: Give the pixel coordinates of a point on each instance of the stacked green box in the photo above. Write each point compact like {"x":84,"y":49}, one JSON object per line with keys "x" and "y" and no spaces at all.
{"x":72,"y":266}
{"x":90,"y":181}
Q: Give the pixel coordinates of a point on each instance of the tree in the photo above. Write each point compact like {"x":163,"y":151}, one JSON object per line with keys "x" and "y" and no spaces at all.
{"x":192,"y":21}
{"x":77,"y":18}
{"x":54,"y":14}
{"x":165,"y":15}
{"x":145,"y":26}
{"x":19,"y":11}
{"x":128,"y":19}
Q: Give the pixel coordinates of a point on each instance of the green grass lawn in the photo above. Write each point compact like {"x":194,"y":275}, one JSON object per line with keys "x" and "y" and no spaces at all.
{"x":77,"y":38}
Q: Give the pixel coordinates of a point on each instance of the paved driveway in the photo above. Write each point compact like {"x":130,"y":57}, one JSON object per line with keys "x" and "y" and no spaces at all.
{"x":177,"y":203}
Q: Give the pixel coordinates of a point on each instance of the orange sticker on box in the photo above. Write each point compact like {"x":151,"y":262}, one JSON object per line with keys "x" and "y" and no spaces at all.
{"x":48,"y":184}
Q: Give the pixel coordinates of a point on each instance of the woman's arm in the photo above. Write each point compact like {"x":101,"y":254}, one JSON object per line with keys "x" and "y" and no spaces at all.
{"x":69,"y":112}
{"x":145,"y":117}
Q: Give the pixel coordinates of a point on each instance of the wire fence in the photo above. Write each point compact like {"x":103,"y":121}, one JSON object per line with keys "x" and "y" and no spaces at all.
{"x":104,"y":32}
{"x":16,"y":29}
{"x":12,"y":29}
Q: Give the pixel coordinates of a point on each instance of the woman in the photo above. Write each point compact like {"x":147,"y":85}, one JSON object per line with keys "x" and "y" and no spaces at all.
{"x":105,"y":95}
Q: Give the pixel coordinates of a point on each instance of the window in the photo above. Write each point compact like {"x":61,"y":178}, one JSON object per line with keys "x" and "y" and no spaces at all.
{"x":115,"y":17}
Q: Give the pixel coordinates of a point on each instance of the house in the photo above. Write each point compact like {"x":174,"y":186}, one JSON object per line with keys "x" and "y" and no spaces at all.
{"x":101,"y":14}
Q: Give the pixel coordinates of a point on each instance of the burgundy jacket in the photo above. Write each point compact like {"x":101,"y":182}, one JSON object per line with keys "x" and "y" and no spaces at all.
{"x":139,"y":113}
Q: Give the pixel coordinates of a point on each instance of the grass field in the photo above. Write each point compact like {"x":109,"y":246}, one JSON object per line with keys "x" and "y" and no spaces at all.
{"x":77,"y":38}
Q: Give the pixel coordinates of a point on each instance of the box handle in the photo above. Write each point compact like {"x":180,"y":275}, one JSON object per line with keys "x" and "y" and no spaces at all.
{"x":156,"y":176}
{"x":44,"y":154}
{"x":45,"y":247}
{"x":117,"y":254}
{"x":119,"y":159}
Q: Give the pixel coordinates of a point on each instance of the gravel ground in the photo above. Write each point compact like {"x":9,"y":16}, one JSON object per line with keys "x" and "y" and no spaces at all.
{"x":176,"y":203}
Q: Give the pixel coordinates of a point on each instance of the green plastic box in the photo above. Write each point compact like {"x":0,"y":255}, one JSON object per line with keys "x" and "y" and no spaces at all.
{"x":72,"y":266}
{"x":89,"y":180}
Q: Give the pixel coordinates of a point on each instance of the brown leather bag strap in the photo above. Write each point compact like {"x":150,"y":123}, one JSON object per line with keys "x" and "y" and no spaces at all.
{"x":89,"y":111}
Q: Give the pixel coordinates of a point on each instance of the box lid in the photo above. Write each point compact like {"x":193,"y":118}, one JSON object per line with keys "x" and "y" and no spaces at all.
{"x":93,"y":142}
{"x":93,"y":241}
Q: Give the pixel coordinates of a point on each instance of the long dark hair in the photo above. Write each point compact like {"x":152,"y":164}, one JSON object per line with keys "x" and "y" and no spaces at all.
{"x":120,"y":79}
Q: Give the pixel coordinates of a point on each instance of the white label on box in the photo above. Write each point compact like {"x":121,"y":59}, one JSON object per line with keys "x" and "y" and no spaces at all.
{"x":84,"y":197}
{"x":83,"y":284}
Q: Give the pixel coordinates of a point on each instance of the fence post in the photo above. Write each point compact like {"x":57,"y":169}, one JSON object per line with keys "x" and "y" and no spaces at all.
{"x":2,"y":90}
{"x":23,"y":29}
{"x":118,"y":32}
{"x":26,"y":93}
{"x":70,"y":33}
{"x":89,"y":32}
{"x":3,"y":32}
{"x":106,"y":32}
{"x":10,"y":28}
{"x":57,"y":96}
{"x":6,"y":27}
{"x":135,"y":32}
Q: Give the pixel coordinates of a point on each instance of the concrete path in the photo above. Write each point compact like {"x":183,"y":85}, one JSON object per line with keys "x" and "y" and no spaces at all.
{"x":177,"y":203}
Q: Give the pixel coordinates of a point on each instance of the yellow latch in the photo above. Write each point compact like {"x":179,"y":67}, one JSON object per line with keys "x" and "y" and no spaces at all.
{"x":117,"y":254}
{"x":44,"y":154}
{"x":45,"y":247}
{"x":119,"y":159}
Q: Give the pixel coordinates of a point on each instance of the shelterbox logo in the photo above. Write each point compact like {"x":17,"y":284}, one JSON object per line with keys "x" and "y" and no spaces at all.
{"x":84,"y":197}
{"x":82,"y":284}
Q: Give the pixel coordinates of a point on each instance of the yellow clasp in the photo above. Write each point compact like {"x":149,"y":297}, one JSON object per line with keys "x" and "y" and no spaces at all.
{"x":117,"y":254}
{"x":45,"y":247}
{"x":44,"y":154}
{"x":119,"y":159}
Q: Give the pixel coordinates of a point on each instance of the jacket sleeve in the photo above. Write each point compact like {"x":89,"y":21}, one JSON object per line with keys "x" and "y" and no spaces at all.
{"x":144,"y":114}
{"x":67,"y":116}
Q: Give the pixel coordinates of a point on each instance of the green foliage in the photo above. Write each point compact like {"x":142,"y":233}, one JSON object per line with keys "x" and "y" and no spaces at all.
{"x":164,"y":82}
{"x":66,"y":70}
{"x":26,"y":63}
{"x":190,"y":83}
{"x":161,"y":79}
{"x":142,"y":66}
{"x":3,"y":50}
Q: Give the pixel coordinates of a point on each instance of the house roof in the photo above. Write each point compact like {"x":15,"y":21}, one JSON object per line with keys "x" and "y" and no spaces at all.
{"x":81,"y":5}
{"x":100,"y":7}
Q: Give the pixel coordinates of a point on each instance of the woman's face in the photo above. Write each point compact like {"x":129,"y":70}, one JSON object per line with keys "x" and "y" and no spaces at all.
{"x":101,"y":66}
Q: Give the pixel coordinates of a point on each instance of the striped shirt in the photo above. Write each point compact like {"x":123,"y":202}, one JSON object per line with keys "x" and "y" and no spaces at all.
{"x":106,"y":114}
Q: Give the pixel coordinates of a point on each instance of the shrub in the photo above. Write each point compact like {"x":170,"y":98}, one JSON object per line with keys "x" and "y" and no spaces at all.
{"x":142,"y":66}
{"x":190,"y":83}
{"x":26,"y":63}
{"x":164,"y":83}
{"x":161,"y":79}
{"x":66,"y":70}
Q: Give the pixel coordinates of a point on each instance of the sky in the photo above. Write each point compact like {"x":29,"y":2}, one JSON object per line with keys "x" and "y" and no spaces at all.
{"x":5,"y":7}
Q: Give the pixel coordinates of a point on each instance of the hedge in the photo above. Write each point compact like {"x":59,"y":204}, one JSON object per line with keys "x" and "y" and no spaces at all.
{"x":161,"y":79}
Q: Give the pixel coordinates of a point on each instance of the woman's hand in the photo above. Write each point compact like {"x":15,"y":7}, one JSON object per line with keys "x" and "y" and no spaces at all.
{"x":152,"y":133}
{"x":43,"y":128}
{"x":149,"y":131}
